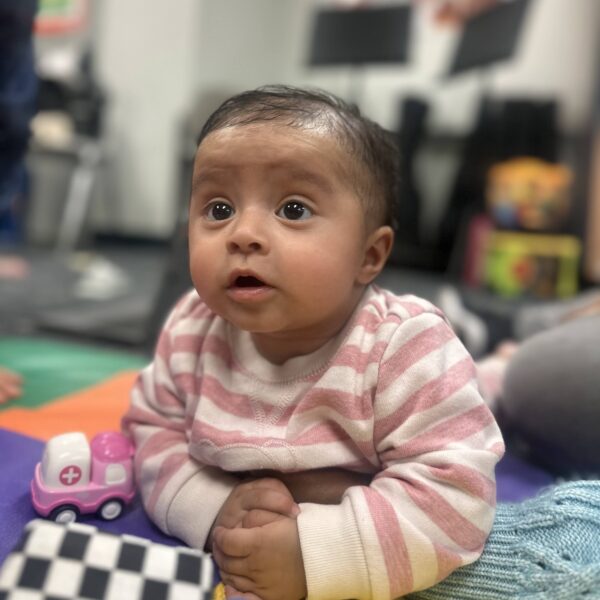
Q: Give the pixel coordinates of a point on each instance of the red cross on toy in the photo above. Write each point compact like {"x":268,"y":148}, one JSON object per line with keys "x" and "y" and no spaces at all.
{"x":70,"y":475}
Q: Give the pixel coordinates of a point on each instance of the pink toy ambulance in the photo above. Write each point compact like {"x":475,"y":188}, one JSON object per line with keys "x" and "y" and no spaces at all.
{"x":76,"y":477}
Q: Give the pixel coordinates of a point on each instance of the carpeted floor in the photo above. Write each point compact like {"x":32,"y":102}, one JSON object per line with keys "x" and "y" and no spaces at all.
{"x":79,"y":296}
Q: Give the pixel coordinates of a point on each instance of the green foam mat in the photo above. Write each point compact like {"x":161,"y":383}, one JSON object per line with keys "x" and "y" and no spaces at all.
{"x":51,"y":369}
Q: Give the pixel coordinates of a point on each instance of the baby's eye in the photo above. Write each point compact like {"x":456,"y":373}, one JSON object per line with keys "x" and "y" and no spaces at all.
{"x":219,"y":211}
{"x":294,"y":211}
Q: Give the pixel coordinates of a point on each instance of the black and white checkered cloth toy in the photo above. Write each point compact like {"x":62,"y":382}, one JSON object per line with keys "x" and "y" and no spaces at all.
{"x":56,"y":562}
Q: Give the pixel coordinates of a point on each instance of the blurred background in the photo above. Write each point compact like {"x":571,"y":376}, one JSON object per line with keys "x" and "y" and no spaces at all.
{"x":495,"y":106}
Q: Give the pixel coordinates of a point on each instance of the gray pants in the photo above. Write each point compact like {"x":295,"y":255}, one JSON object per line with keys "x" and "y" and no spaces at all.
{"x":552,"y":395}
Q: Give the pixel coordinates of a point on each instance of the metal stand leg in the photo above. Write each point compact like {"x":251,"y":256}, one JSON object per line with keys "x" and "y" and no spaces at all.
{"x":79,"y":195}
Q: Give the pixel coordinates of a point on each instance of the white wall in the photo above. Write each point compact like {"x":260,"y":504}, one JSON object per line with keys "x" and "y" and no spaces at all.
{"x":158,"y":58}
{"x":146,"y":54}
{"x":242,"y":43}
{"x":555,"y":59}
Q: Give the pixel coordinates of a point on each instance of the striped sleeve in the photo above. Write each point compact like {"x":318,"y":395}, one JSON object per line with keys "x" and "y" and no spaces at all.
{"x":171,"y":482}
{"x":430,"y":507}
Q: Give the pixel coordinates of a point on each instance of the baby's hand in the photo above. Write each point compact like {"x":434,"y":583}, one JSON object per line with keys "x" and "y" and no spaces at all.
{"x":256,"y":502}
{"x":264,"y":562}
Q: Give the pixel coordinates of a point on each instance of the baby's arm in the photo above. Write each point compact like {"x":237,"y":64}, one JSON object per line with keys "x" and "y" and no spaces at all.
{"x":170,"y":480}
{"x":434,"y":495}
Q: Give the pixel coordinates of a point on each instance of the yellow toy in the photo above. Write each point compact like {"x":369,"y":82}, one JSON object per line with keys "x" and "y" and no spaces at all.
{"x":529,"y":194}
{"x":542,"y":266}
{"x":219,"y":593}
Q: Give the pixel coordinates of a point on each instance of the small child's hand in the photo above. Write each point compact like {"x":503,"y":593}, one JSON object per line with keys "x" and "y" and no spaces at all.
{"x":256,"y":502}
{"x":262,"y":561}
{"x":10,"y":385}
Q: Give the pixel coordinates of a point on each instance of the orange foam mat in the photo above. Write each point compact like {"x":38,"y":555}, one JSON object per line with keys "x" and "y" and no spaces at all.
{"x":94,"y":409}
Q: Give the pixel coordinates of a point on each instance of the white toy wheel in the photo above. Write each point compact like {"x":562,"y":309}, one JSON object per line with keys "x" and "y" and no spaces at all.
{"x":111,"y":509}
{"x":65,"y":514}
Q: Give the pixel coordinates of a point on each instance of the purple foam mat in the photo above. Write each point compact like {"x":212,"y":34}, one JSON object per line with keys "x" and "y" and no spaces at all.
{"x":516,"y":479}
{"x":20,"y":454}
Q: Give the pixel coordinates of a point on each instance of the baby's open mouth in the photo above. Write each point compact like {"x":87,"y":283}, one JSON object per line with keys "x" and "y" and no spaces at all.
{"x":248,"y":281}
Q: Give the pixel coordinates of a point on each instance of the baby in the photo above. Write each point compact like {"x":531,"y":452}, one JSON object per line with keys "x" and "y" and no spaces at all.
{"x":323,"y":437}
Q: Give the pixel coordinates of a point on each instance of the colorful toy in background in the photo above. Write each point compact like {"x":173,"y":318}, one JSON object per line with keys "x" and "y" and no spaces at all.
{"x":76,"y":477}
{"x":57,"y":17}
{"x":529,"y":194}
{"x":524,"y":252}
{"x":542,"y":266}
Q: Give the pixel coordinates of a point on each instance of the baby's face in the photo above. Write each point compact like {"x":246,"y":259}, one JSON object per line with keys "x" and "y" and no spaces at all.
{"x":277,"y":231}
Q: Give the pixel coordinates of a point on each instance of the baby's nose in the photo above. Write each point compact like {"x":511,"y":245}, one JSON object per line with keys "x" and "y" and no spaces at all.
{"x":249,"y":234}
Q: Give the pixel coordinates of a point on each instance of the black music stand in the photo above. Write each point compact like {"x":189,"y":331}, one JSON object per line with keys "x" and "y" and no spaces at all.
{"x":490,"y":37}
{"x":358,"y":37}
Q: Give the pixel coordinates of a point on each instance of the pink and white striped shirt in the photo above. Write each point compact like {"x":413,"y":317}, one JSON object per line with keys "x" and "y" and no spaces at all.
{"x":393,"y":395}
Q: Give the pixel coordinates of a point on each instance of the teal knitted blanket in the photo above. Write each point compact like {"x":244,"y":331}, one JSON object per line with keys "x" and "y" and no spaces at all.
{"x":546,"y":548}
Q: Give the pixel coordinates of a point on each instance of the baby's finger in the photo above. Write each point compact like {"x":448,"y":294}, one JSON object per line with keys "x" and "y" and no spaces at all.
{"x":271,"y":500}
{"x":268,"y":483}
{"x":232,"y":565}
{"x":258,"y":517}
{"x":237,"y":542}
{"x":253,"y":481}
{"x":232,"y":594}
{"x":237,"y":582}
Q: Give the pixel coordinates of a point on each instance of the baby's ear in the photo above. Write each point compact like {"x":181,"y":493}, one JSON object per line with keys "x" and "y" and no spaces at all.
{"x":377,"y":249}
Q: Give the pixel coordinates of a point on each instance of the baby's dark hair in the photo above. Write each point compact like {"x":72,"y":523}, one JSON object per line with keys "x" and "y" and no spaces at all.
{"x":373,"y":147}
